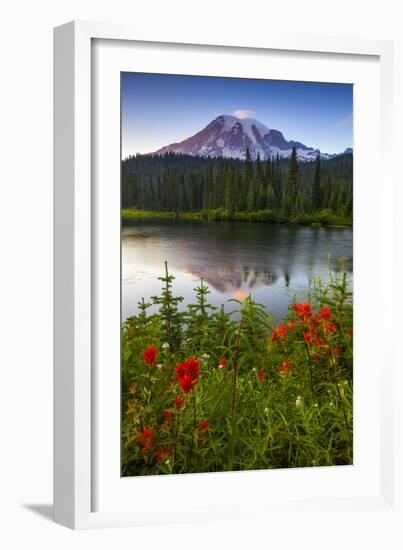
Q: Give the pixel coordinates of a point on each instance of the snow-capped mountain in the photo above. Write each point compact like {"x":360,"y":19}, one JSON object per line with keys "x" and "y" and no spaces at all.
{"x":229,"y":136}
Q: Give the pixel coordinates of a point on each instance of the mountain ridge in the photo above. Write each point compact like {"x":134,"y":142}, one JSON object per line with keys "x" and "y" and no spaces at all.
{"x":229,"y":137}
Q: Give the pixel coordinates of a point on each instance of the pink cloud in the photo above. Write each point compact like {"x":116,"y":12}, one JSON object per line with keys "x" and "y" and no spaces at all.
{"x":243,"y":113}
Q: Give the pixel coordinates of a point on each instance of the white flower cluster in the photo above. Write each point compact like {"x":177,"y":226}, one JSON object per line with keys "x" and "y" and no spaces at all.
{"x":298,"y":401}
{"x":165,"y":345}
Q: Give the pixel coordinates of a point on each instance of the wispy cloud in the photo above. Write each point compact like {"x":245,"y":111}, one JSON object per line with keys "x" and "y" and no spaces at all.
{"x":345,"y":121}
{"x":243,"y":113}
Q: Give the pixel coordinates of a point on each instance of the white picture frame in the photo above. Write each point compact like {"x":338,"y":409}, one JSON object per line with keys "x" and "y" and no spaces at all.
{"x":78,"y":307}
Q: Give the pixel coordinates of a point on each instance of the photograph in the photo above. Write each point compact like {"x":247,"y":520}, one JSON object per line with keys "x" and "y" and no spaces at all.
{"x":236,"y":274}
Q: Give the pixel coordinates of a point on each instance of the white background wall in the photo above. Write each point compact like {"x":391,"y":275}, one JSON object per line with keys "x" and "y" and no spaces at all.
{"x":26,"y":254}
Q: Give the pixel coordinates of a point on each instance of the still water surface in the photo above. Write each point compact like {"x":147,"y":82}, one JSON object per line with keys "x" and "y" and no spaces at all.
{"x":273,"y":262}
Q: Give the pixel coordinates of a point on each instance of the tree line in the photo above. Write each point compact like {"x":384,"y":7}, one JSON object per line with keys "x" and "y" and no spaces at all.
{"x":183,"y":183}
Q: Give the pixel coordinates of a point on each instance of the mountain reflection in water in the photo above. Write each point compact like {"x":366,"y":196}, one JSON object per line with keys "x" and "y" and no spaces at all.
{"x":272,"y":262}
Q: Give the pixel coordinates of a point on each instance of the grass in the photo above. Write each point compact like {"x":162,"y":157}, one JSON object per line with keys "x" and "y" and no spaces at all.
{"x":321,"y":218}
{"x":204,"y":391}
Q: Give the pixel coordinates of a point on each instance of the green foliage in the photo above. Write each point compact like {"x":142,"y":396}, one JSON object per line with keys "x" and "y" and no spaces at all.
{"x":317,"y":194}
{"x":266,"y":396}
{"x":170,"y":316}
{"x":198,"y":325}
{"x":292,"y":184}
{"x":321,"y":217}
{"x":176,"y":184}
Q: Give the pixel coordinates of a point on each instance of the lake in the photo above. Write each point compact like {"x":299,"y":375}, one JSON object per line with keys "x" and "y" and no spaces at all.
{"x":272,"y":262}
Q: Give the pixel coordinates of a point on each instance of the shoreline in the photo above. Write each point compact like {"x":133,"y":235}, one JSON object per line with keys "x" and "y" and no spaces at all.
{"x":321,"y":219}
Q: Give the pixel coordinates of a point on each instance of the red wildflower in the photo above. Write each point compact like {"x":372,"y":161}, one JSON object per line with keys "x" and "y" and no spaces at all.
{"x":325,"y":313}
{"x":150,"y":356}
{"x":316,"y":320}
{"x":222,"y":363}
{"x":285,"y":368}
{"x":180,"y":370}
{"x":318,"y":341}
{"x":178,"y":402}
{"x":146,"y":435}
{"x":147,"y":440}
{"x":350,"y":332}
{"x":187,"y":374}
{"x":336,"y":352}
{"x":302,"y":310}
{"x":279,"y":333}
{"x":203,"y":429}
{"x":291,"y":325}
{"x":329,"y":327}
{"x":162,"y":454}
{"x":261,"y":374}
{"x":308,"y":336}
{"x":166,"y":415}
{"x":187,"y":382}
{"x":193,"y":367}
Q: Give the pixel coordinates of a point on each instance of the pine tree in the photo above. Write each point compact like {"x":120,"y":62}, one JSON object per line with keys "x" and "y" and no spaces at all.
{"x":250,"y":201}
{"x":317,"y":193}
{"x":276,"y":182}
{"x":270,"y":198}
{"x":143,"y":319}
{"x":229,"y":191}
{"x":292,"y":183}
{"x":198,"y":317}
{"x":179,"y":183}
{"x":248,"y":167}
{"x":261,"y":203}
{"x":171,"y":317}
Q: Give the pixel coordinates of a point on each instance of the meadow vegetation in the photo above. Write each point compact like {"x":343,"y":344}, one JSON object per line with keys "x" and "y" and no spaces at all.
{"x":207,"y":391}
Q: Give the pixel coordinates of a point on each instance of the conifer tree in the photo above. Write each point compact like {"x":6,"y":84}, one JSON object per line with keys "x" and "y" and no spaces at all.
{"x":180,"y":183}
{"x":229,"y":191}
{"x":270,"y":198}
{"x":170,"y":316}
{"x":317,"y":194}
{"x":198,"y":316}
{"x":292,"y":183}
{"x":250,"y":204}
{"x":248,"y":167}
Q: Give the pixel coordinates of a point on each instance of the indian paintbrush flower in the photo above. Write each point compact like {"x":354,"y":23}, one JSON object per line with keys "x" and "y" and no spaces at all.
{"x":203,"y":429}
{"x":187,"y":374}
{"x":325,"y":313}
{"x":285,"y":368}
{"x":162,"y":455}
{"x":261,"y":374}
{"x":147,"y":441}
{"x":178,"y":402}
{"x":279,"y":333}
{"x":150,"y":356}
{"x":302,"y":310}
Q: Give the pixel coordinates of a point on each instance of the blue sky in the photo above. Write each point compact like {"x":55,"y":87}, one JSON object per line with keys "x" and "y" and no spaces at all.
{"x":162,"y":109}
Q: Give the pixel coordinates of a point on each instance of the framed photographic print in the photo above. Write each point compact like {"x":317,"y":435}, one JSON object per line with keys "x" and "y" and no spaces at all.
{"x":215,"y":344}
